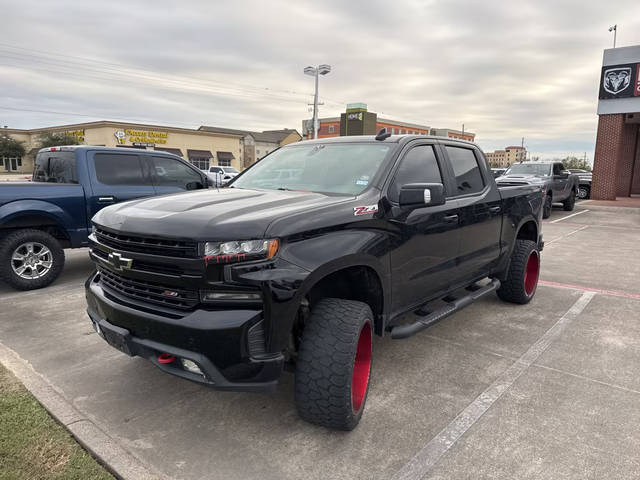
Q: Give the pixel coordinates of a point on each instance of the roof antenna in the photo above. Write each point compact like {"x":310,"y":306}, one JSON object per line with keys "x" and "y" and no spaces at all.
{"x":383,"y":134}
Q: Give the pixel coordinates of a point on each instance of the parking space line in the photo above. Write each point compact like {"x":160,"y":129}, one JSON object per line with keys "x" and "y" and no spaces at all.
{"x":566,"y":235}
{"x":569,"y":216}
{"x":431,"y":453}
{"x":615,"y":293}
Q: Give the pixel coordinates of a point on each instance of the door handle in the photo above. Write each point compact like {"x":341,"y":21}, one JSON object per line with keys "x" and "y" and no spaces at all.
{"x":494,"y":209}
{"x":109,"y":199}
{"x":450,"y":218}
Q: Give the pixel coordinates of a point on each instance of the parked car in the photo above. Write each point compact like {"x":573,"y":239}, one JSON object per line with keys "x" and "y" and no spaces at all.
{"x":559,"y":185}
{"x":584,"y":188}
{"x":498,"y":172}
{"x":221,"y":175}
{"x":227,"y":287}
{"x":39,"y":219}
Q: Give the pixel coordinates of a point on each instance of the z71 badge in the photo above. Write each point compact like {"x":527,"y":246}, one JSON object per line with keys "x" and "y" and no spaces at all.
{"x":364,"y":210}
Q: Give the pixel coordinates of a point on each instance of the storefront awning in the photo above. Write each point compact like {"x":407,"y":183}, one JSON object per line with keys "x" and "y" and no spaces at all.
{"x":199,"y":154}
{"x":225,"y":156}
{"x":175,"y":151}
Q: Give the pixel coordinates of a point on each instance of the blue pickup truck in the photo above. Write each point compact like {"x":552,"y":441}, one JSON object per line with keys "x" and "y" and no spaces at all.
{"x":39,"y":219}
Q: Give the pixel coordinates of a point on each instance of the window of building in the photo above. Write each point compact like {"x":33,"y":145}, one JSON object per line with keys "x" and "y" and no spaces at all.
{"x":331,"y":128}
{"x":419,"y":165}
{"x":224,"y":162}
{"x":466,"y":169}
{"x":116,"y":169}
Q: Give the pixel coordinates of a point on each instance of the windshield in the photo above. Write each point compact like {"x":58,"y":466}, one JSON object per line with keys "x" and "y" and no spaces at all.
{"x":229,"y":170}
{"x":529,"y":169}
{"x":341,"y":168}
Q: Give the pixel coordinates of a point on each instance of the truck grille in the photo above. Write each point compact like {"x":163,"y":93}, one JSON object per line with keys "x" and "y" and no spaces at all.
{"x":151,"y":246}
{"x":150,"y":292}
{"x":510,"y":183}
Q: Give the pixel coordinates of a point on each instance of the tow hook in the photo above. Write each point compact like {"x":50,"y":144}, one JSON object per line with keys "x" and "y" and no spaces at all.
{"x":165,"y":358}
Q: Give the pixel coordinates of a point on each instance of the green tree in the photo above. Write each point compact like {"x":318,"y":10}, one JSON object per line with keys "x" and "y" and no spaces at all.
{"x":10,"y":147}
{"x":52,"y":139}
{"x":576,"y":163}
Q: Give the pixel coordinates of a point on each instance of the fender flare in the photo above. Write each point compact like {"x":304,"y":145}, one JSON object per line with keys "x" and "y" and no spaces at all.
{"x":23,"y":208}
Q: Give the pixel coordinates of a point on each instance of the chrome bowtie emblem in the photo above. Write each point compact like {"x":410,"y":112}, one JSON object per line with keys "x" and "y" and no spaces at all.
{"x":616,"y":79}
{"x":119,"y":262}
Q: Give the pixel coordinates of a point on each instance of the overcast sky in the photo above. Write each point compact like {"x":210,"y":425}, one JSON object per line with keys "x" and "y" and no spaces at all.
{"x":505,"y":69}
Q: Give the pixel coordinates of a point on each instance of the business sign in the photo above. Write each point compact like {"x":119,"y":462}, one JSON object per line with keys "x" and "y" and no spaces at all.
{"x":620,"y":81}
{"x":141,"y":137}
{"x":76,"y":134}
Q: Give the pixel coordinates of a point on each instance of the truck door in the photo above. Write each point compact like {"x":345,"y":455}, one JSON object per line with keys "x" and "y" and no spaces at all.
{"x":480,"y":210}
{"x":425,"y":244}
{"x":116,"y":177}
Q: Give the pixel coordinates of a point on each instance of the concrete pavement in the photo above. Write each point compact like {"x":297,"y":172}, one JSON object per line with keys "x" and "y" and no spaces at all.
{"x":547,"y":390}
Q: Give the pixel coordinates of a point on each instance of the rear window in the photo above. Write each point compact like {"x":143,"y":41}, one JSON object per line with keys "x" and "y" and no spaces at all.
{"x":55,"y":167}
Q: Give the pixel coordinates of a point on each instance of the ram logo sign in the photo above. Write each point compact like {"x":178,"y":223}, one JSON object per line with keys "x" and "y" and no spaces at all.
{"x":619,"y":81}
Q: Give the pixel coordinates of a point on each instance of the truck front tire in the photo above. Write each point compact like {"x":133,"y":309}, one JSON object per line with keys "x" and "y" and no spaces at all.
{"x":570,"y":202}
{"x":30,"y":259}
{"x":547,"y":206}
{"x":334,"y":364}
{"x":521,"y":281}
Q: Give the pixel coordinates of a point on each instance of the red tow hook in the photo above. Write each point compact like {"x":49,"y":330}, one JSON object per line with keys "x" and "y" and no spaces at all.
{"x":166,"y":358}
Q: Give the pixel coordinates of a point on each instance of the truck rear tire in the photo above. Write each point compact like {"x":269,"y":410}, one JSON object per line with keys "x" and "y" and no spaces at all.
{"x":570,"y":202}
{"x":30,"y":259}
{"x":334,"y":364}
{"x":524,"y":270}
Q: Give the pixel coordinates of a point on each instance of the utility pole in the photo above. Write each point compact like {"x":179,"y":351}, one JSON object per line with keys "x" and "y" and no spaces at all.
{"x":463,"y":128}
{"x":614,"y":29}
{"x":316,"y":72}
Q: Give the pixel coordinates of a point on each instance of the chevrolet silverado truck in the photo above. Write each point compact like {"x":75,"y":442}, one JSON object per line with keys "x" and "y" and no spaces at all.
{"x":39,"y":219}
{"x":558,"y":185}
{"x":370,"y":235}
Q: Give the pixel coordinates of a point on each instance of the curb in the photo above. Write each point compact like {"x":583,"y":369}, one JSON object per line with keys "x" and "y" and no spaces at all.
{"x":118,"y":461}
{"x":608,"y":208}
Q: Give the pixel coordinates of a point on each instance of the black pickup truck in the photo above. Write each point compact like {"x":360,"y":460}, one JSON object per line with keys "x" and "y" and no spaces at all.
{"x":228,"y":287}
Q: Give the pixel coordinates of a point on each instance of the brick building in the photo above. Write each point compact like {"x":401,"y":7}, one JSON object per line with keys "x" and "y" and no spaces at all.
{"x":506,"y":157}
{"x":616,"y":168}
{"x":368,"y":123}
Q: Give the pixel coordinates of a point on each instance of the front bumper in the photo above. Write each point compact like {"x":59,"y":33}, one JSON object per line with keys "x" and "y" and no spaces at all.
{"x":218,"y":341}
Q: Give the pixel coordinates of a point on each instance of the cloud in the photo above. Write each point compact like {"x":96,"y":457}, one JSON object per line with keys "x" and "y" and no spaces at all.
{"x":505,"y":70}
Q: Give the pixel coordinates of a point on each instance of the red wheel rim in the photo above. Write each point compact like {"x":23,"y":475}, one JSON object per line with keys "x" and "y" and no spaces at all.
{"x":531,"y":273}
{"x":361,"y":368}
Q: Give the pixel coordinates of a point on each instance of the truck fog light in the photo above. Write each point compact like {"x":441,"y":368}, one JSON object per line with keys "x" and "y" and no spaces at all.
{"x":212,"y":296}
{"x":190,"y":366}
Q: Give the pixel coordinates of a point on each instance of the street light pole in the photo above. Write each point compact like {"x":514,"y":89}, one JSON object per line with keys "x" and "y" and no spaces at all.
{"x":614,"y":29}
{"x":316,"y":72}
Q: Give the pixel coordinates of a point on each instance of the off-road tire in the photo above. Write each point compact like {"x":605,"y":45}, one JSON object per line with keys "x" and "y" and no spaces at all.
{"x":570,"y":202}
{"x":325,"y":383}
{"x":547,"y":206}
{"x":519,"y":286}
{"x":19,"y":237}
{"x":584,"y":192}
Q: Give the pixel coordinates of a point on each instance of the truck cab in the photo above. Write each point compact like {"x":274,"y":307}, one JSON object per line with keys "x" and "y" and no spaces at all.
{"x":70,"y":184}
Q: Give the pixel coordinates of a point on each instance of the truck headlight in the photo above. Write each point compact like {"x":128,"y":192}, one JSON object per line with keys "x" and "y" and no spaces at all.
{"x":238,"y":251}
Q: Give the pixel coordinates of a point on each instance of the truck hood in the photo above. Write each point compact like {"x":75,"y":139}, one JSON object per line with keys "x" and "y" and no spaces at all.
{"x":229,"y":213}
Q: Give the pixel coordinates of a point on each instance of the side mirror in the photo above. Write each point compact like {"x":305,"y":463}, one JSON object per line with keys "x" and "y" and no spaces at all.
{"x":422,"y":195}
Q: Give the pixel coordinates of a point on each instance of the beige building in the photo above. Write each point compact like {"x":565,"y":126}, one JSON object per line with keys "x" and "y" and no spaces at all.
{"x":258,"y":144}
{"x":506,"y":157}
{"x":202,"y":148}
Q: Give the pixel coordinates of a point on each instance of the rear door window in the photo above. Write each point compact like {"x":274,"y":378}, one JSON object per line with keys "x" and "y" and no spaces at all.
{"x":120,"y":169}
{"x":55,"y":167}
{"x":466,"y":170}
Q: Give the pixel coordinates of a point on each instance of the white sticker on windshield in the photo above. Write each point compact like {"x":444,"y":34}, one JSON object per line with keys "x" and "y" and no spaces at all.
{"x":363,"y":180}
